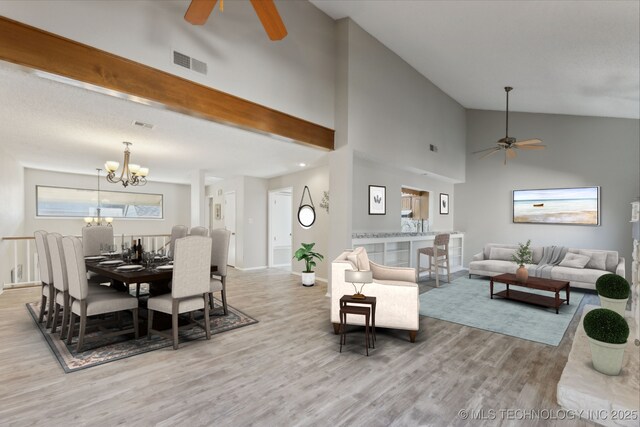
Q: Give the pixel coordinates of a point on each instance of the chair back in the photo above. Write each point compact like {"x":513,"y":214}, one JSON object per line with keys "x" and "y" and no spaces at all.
{"x":177,"y":232}
{"x":95,"y":236}
{"x":220,"y":238}
{"x":191,"y":266}
{"x":199,"y":231}
{"x":441,"y":240}
{"x":44,"y":258}
{"x":58,"y":267}
{"x":76,"y":270}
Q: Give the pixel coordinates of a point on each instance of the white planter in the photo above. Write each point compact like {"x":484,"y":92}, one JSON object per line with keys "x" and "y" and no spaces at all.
{"x":617,"y":305}
{"x":308,"y":279}
{"x":607,"y":358}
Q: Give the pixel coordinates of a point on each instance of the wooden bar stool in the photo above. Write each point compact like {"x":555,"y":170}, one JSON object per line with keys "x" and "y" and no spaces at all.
{"x":354,"y":309}
{"x":438,"y":258}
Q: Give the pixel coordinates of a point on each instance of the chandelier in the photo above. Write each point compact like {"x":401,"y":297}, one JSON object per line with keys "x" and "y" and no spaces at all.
{"x":99,"y":220}
{"x":131,"y":174}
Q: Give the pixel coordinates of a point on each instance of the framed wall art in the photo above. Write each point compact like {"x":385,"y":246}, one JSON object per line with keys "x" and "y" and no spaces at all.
{"x":575,"y":206}
{"x":377,"y":200}
{"x":444,"y":204}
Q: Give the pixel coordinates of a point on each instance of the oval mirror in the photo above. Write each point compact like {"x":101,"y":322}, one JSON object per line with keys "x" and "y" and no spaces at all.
{"x":306,"y":216}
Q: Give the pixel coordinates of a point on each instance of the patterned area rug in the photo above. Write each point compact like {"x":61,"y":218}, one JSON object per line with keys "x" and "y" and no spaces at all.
{"x":98,"y":352}
{"x":467,"y":301}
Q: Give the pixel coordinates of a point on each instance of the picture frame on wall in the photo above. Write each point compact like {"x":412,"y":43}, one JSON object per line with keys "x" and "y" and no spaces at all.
{"x":444,"y":204}
{"x":377,"y":200}
{"x":218,"y":208}
{"x":565,"y":206}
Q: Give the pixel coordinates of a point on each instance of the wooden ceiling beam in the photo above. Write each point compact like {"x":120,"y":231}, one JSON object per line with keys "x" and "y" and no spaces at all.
{"x":37,"y":49}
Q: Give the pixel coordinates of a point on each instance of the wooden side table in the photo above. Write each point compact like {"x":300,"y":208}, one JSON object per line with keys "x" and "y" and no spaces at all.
{"x":348,"y":306}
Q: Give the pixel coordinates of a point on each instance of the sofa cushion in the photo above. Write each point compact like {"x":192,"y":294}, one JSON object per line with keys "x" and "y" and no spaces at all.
{"x":576,"y":275}
{"x":574,"y":260}
{"x":597,"y":260}
{"x":359,"y":259}
{"x":504,"y":254}
{"x":495,"y":266}
{"x":487,"y":248}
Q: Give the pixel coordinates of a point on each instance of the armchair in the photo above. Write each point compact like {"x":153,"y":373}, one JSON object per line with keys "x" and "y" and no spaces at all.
{"x":397,"y":293}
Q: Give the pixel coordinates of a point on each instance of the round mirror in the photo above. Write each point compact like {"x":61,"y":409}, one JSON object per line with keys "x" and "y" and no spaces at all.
{"x":306,"y":216}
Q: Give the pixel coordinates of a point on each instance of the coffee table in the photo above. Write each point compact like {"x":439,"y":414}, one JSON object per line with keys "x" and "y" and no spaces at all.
{"x":539,"y":283}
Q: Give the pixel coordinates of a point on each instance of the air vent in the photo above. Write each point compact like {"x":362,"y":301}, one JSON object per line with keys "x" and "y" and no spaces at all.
{"x":142,"y":124}
{"x":191,"y":63}
{"x":433,"y":148}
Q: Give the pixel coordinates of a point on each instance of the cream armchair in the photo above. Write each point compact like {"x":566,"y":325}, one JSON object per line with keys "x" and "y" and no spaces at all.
{"x":395,"y":288}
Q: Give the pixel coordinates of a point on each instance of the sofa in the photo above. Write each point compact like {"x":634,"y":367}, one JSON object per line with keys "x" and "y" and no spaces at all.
{"x":495,"y":259}
{"x":395,"y":288}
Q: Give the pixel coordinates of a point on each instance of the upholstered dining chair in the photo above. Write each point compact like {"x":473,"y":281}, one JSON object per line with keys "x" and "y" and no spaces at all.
{"x":220,"y":238}
{"x":85,"y":302}
{"x":189,"y":287}
{"x":199,"y":231}
{"x":95,"y":236}
{"x":438,"y":258}
{"x":177,"y":232}
{"x":46,"y":276}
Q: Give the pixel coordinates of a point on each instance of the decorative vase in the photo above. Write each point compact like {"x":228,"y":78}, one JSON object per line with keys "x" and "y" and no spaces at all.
{"x":607,"y":358}
{"x":308,"y":279}
{"x":522,"y":274}
{"x":617,"y":305}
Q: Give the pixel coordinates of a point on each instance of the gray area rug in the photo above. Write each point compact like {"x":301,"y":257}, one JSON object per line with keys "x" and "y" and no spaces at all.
{"x":467,"y":302}
{"x":99,"y":352}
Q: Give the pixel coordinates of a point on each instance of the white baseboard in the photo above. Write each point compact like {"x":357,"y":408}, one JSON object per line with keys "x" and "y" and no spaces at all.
{"x":21,"y":285}
{"x":251,"y":268}
{"x":318,"y":279}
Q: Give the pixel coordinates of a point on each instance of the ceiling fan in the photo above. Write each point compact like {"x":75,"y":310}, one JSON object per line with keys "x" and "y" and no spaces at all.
{"x":199,"y":11}
{"x":508,"y":143}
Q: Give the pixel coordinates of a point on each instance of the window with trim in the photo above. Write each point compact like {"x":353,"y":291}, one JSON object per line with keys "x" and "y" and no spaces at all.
{"x":78,"y":202}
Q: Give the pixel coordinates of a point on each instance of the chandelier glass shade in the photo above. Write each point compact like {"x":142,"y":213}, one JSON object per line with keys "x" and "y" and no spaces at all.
{"x":131,"y":174}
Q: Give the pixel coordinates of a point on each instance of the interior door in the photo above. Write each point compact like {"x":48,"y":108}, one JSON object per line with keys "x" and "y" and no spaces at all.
{"x":230,"y":224}
{"x":280,"y":218}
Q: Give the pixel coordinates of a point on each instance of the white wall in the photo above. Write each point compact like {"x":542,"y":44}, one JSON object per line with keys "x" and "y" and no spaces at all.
{"x":176,"y":204}
{"x":11,"y":210}
{"x":581,"y":151}
{"x":241,"y":59}
{"x":367,"y":172}
{"x":317,"y":179}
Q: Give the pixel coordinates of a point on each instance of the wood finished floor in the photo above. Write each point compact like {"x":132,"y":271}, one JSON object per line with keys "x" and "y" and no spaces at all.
{"x":284,"y":371}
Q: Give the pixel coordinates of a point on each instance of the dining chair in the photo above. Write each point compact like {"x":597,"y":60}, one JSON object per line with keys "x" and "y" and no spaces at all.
{"x":438,"y":258}
{"x":84,"y":302}
{"x":199,"y":231}
{"x":177,"y":232}
{"x":94,"y":237}
{"x":46,"y":275}
{"x":189,"y":288}
{"x":220,"y":238}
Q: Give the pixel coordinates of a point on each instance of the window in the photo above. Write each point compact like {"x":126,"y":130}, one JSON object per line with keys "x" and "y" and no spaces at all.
{"x":77,"y":202}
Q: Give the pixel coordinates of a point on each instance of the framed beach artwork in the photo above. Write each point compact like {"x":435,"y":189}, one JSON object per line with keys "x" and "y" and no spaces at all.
{"x":377,"y":200}
{"x":575,"y":206}
{"x":444,"y":204}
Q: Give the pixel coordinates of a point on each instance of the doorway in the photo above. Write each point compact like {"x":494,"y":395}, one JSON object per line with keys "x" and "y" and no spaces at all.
{"x":230,"y":224}
{"x":280,"y":227}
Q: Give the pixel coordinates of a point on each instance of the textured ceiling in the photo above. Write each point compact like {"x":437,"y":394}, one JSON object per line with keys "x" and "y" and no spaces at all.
{"x":562,"y":57}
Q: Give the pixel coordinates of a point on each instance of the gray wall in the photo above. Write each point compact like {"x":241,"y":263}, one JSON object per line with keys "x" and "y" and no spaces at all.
{"x":581,"y":151}
{"x":11,"y":210}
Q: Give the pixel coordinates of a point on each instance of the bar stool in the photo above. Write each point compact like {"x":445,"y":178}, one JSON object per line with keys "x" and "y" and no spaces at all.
{"x":354,"y":309}
{"x":438,"y":258}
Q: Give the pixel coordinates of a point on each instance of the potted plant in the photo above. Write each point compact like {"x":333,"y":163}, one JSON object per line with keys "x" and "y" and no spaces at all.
{"x":306,"y":254}
{"x":521,"y":257}
{"x":607,"y":332}
{"x":614,"y":292}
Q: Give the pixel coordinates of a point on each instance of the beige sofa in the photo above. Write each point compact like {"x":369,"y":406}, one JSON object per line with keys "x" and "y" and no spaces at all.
{"x":397,"y":293}
{"x":495,"y":259}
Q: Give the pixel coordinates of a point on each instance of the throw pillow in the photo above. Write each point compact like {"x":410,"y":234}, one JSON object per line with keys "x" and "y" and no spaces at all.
{"x":359,"y":259}
{"x":597,"y":261}
{"x":503,"y":254}
{"x":574,"y":260}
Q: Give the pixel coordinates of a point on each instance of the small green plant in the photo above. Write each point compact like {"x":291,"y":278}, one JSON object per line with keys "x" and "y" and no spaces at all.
{"x":523,"y":254}
{"x":606,"y":325}
{"x":613,"y":286}
{"x":306,"y":254}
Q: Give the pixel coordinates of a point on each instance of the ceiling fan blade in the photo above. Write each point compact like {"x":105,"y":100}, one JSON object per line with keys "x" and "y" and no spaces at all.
{"x":270,"y":18}
{"x":495,"y":150}
{"x":511,"y":153}
{"x":531,"y":147}
{"x":529,"y":141}
{"x":199,"y":11}
{"x":486,"y":149}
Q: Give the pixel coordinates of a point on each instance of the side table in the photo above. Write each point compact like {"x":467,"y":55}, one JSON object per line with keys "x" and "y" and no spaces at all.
{"x":347,"y":302}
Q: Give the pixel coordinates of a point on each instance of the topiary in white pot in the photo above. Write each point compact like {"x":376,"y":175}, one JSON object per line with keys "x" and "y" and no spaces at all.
{"x":614,"y":292}
{"x":607,"y":332}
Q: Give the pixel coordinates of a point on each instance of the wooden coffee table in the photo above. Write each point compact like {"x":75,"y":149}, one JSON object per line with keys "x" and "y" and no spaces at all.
{"x":532,"y":283}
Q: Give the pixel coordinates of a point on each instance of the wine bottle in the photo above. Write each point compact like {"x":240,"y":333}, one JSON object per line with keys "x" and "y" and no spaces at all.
{"x":139,"y":250}
{"x":134,"y":250}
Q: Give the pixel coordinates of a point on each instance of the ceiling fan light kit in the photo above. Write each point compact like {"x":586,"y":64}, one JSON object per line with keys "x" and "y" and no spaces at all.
{"x":510,"y":144}
{"x":200,"y":10}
